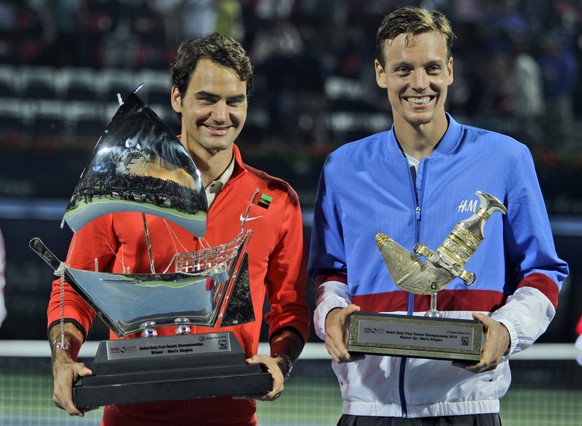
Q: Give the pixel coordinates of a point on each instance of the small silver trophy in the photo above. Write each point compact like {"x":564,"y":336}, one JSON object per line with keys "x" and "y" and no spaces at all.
{"x":431,"y":336}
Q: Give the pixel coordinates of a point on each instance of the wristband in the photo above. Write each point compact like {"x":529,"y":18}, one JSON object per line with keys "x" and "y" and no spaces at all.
{"x":289,"y":362}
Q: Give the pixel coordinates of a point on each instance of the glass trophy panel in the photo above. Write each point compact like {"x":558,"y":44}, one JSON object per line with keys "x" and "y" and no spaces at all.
{"x":130,"y":300}
{"x":139,"y":165}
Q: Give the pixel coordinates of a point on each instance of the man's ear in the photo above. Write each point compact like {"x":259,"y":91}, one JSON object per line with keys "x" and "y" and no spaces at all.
{"x":176,"y":100}
{"x":380,"y":75}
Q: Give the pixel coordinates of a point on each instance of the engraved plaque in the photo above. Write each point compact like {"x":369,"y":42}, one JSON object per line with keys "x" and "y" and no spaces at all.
{"x":416,"y":337}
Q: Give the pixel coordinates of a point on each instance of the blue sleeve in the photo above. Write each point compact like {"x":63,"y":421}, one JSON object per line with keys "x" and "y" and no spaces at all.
{"x":327,"y":251}
{"x":528,"y":235}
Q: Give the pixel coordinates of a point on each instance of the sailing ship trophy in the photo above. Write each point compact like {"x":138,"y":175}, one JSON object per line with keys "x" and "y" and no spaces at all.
{"x":139,"y":165}
{"x":431,"y":336}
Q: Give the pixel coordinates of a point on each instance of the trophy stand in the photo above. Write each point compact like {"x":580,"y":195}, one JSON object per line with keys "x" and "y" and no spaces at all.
{"x":165,"y":368}
{"x":433,"y":312}
{"x":139,"y":165}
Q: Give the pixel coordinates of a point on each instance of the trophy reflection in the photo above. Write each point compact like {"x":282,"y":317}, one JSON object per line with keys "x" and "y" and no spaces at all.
{"x":139,"y":165}
{"x":436,"y":337}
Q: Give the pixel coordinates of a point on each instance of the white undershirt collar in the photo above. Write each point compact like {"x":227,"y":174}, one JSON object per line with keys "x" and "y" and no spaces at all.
{"x":214,"y":187}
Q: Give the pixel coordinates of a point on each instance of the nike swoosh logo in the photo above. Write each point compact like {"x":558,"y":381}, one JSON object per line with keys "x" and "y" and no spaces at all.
{"x":242,"y":219}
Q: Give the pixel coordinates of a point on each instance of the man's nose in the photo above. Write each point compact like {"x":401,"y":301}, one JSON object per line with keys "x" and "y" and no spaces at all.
{"x":419,"y":80}
{"x":219,"y":112}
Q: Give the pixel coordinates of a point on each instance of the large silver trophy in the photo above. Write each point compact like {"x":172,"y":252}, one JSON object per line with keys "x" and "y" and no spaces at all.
{"x":138,"y":165}
{"x":431,"y":336}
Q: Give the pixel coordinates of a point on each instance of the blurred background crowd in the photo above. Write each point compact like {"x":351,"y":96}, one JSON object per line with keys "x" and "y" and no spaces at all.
{"x":63,"y":62}
{"x":516,"y":64}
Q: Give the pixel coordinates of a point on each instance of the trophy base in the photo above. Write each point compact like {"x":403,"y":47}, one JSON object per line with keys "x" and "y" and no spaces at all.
{"x":415,"y":337}
{"x":169,"y":368}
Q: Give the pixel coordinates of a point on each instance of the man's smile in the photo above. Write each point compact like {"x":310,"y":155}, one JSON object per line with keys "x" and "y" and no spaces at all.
{"x":416,"y":100}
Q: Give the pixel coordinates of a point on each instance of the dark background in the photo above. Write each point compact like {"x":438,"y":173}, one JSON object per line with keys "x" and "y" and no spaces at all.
{"x":62,"y":64}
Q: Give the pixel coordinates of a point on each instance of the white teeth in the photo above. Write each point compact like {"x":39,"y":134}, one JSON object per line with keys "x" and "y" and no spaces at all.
{"x":419,"y":101}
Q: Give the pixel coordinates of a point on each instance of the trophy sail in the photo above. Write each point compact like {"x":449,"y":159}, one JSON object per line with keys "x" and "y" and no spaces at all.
{"x":139,"y":165}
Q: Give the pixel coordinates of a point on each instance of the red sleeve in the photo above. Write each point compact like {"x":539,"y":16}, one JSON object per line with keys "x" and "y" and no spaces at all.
{"x":579,"y":326}
{"x":544,"y":284}
{"x":287,"y":276}
{"x":330,"y":275}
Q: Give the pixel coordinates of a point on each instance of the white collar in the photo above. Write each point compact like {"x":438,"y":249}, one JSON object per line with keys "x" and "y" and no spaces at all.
{"x":214,"y":187}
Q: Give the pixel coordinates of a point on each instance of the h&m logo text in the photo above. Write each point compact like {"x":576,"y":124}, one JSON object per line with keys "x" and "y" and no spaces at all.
{"x":467,"y":206}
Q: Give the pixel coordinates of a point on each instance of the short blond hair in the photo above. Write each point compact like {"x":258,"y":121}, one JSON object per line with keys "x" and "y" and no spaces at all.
{"x":412,"y":21}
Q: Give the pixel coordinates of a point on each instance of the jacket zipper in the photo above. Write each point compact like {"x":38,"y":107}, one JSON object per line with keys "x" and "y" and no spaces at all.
{"x":410,"y":310}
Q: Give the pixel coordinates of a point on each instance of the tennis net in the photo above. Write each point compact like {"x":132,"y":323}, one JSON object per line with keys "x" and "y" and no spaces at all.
{"x":546,"y":389}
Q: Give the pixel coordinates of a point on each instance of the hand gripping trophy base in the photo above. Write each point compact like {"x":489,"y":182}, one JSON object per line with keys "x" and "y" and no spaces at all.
{"x":431,"y":336}
{"x":149,"y":369}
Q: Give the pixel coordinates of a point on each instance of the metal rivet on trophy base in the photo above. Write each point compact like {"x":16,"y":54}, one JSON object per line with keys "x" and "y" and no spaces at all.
{"x":148,"y":329}
{"x":183,"y":327}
